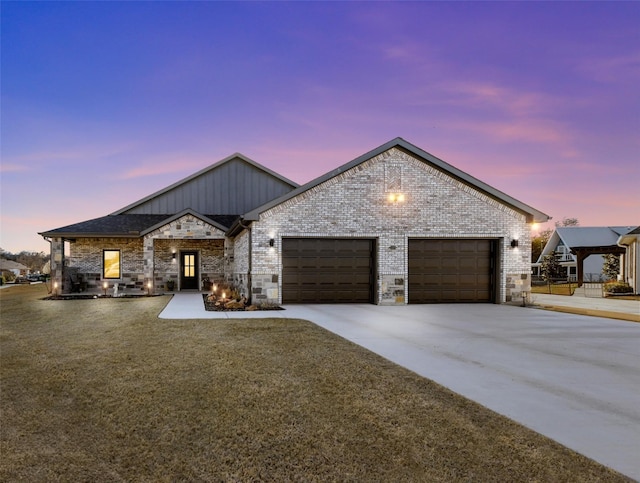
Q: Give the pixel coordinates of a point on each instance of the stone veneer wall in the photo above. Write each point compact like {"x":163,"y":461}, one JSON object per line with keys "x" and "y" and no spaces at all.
{"x":355,"y":204}
{"x":238,"y":253}
{"x":84,"y":263}
{"x":211,"y":259}
{"x":185,"y":233}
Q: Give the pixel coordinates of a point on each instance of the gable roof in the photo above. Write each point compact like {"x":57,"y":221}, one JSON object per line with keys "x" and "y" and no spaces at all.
{"x":531,"y":213}
{"x":231,"y":186}
{"x":131,"y":226}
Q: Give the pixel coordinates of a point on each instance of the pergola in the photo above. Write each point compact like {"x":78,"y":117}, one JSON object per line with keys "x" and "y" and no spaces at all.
{"x":583,"y":252}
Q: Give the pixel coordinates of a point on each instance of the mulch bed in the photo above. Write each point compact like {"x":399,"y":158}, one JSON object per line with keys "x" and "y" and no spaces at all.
{"x":212,"y":307}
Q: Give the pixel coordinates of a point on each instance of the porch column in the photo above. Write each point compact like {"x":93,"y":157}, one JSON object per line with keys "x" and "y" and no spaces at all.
{"x":580,"y":265}
{"x":57,"y":265}
{"x":148,"y":254}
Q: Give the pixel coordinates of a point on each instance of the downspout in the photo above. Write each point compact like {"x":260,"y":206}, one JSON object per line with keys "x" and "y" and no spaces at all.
{"x":47,"y":239}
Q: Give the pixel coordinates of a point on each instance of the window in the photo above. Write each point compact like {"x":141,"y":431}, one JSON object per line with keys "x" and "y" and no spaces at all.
{"x":111,"y":263}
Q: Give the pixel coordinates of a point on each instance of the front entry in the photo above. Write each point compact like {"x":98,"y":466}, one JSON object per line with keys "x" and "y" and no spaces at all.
{"x":189,"y":271}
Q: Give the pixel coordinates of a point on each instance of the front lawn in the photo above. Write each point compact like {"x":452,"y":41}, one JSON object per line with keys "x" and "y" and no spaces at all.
{"x":555,"y":288}
{"x":103,"y":390}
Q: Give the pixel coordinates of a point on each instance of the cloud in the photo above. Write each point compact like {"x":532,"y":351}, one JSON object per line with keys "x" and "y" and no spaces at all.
{"x":482,"y":95}
{"x":617,"y":69}
{"x":165,"y":164}
{"x":80,"y":153}
{"x":13,"y":168}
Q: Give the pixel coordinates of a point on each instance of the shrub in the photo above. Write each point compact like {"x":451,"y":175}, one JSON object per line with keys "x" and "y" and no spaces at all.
{"x":617,"y":287}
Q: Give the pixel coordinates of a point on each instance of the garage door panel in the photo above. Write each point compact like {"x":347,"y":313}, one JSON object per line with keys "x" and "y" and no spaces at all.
{"x":446,"y":271}
{"x":327,"y":270}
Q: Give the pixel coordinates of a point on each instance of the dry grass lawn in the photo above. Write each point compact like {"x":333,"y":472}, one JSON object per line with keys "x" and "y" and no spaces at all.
{"x":103,"y":390}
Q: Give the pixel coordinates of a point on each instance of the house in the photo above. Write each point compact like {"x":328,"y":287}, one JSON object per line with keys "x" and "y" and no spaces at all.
{"x":394,"y":226}
{"x":630,"y":261}
{"x":13,"y":269}
{"x":579,"y":250}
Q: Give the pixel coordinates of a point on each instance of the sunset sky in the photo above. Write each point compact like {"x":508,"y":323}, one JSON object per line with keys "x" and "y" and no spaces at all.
{"x":104,"y":103}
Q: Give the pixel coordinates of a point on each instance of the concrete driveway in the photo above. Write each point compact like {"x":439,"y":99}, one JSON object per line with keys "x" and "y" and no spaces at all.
{"x":573,"y":378}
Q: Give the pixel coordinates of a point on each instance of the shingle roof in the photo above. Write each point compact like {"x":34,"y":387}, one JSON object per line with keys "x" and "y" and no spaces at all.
{"x":124,"y":225}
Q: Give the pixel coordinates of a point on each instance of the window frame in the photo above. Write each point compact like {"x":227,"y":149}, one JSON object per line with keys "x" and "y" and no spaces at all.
{"x":104,"y":264}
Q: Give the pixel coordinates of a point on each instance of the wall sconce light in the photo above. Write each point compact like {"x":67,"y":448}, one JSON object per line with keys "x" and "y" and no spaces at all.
{"x":396,"y":197}
{"x":173,"y":256}
{"x":272,"y":242}
{"x":55,"y":288}
{"x":105,"y":286}
{"x":149,"y":285}
{"x":514,"y":243}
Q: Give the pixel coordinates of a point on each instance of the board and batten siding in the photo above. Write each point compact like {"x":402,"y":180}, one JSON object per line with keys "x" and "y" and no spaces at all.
{"x":232,"y":188}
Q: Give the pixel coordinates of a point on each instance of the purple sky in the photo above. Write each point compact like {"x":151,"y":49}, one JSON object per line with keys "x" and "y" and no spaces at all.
{"x":104,"y":103}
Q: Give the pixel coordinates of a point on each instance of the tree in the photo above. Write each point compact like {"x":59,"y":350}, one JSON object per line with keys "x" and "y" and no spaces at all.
{"x":567,"y":222}
{"x":550,"y":267}
{"x":611,"y":266}
{"x":538,"y":243}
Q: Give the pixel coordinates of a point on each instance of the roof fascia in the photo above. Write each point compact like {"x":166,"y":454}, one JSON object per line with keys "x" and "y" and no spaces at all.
{"x":533,"y":215}
{"x":200,"y":173}
{"x":628,"y":238}
{"x":188,"y":211}
{"x":70,"y":234}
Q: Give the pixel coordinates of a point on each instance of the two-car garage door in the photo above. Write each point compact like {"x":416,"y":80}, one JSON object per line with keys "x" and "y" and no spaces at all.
{"x":334,"y":270}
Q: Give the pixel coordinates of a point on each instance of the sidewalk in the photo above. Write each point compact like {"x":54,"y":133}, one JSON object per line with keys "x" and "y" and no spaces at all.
{"x":612,"y":308}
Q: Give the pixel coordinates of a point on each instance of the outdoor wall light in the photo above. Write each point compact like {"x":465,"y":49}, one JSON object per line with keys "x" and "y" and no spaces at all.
{"x":105,"y":286}
{"x":173,"y":257}
{"x":272,"y":242}
{"x":396,"y":197}
{"x":514,"y":243}
{"x":149,"y":285}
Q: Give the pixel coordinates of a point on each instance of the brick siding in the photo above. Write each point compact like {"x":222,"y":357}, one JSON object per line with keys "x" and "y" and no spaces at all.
{"x":355,"y":204}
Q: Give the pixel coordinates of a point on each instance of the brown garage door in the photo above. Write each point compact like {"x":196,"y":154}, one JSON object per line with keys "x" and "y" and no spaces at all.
{"x":327,"y":270}
{"x":445,"y":271}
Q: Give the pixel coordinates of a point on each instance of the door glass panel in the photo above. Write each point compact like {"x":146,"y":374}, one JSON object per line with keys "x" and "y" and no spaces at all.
{"x":189,"y":266}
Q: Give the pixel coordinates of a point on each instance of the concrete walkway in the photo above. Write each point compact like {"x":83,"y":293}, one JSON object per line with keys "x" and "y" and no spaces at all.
{"x":617,"y":308}
{"x":573,"y":378}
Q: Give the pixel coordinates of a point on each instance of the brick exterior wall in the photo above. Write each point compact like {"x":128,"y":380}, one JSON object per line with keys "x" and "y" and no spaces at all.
{"x":356,"y":204}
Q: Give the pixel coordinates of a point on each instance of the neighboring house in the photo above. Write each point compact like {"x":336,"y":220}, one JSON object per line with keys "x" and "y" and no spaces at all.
{"x":630,"y":261}
{"x":394,"y":226}
{"x":579,"y":250}
{"x":15,"y":268}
